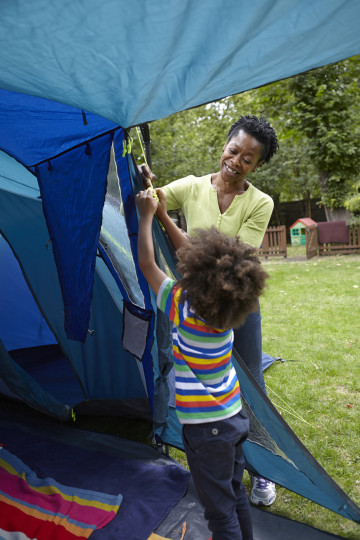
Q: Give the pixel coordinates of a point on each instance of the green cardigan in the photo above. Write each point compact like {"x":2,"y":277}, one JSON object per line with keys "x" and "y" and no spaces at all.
{"x":247,"y":216}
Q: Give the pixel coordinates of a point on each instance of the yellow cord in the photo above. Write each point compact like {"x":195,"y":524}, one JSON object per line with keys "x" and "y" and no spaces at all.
{"x":291,"y":411}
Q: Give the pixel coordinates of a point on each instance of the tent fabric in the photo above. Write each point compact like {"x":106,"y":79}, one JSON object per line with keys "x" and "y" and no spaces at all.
{"x":127,"y":181}
{"x":14,"y":177}
{"x":17,"y":383}
{"x":265,"y":524}
{"x":96,"y":362}
{"x":32,"y":137}
{"x":141,"y":61}
{"x":73,"y":200}
{"x":43,"y":507}
{"x":114,"y":248}
{"x":73,"y":197}
{"x":50,"y":368}
{"x":136,"y":329}
{"x":68,"y":245}
{"x":273,"y":451}
{"x":151,"y":484}
{"x":32,"y":431}
{"x":21,"y":326}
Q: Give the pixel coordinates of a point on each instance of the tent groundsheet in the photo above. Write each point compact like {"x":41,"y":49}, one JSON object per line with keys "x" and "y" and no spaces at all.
{"x":158,"y":494}
{"x":150,"y":483}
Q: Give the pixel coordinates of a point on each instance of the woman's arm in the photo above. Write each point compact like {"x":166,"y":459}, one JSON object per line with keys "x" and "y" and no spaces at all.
{"x":147,"y":176}
{"x":176,"y":235}
{"x":147,"y":204}
{"x":253,"y":230}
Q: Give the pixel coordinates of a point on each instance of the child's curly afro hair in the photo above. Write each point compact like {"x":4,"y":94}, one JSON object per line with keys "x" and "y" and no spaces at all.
{"x":222,"y":277}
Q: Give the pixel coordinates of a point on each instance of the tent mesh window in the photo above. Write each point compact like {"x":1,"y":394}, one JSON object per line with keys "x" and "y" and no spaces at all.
{"x":114,"y":236}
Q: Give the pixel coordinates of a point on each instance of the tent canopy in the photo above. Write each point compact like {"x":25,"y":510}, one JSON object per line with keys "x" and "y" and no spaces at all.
{"x":133,"y":62}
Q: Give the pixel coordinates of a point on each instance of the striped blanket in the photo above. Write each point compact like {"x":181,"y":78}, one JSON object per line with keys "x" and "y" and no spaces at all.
{"x":41,"y":508}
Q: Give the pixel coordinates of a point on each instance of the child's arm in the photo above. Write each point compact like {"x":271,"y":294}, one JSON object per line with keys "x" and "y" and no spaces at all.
{"x":176,"y":235}
{"x":147,"y":205}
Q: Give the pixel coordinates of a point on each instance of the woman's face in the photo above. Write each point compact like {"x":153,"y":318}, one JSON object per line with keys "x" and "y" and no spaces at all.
{"x":241,"y":156}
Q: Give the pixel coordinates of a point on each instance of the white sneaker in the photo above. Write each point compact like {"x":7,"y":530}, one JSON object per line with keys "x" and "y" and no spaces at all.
{"x":263,"y":492}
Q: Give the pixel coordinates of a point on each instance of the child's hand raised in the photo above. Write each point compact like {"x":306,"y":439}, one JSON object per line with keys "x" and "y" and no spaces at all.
{"x":146,"y":203}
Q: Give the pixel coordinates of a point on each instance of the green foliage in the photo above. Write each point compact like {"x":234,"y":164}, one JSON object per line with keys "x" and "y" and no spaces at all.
{"x":353,"y":202}
{"x":186,"y":143}
{"x":324,"y":109}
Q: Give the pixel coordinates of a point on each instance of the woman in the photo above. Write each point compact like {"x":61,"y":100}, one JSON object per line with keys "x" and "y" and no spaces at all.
{"x":227,"y":200}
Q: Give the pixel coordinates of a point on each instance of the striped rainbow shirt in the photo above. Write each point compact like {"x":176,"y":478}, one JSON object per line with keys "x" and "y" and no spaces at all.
{"x":206,"y":384}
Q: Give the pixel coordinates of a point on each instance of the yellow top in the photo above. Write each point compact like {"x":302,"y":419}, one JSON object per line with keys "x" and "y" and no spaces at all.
{"x":247,"y":216}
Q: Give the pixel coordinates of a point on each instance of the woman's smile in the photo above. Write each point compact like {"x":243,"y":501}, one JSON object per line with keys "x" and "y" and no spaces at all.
{"x":229,"y":169}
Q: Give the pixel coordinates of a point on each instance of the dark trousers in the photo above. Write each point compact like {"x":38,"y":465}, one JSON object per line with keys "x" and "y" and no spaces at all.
{"x":248,"y":343}
{"x":216,"y":462}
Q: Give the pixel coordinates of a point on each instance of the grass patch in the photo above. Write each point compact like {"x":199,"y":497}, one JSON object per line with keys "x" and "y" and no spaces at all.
{"x":311,"y":318}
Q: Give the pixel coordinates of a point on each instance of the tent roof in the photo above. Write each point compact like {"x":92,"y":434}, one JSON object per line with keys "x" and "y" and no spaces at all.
{"x":133,"y":62}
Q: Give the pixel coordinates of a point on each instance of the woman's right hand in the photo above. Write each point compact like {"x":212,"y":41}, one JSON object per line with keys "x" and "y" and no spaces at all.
{"x":161,"y":209}
{"x":147,"y":176}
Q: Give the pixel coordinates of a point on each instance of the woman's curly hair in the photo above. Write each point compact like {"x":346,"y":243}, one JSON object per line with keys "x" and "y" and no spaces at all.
{"x":221,"y":277}
{"x":261,"y":130}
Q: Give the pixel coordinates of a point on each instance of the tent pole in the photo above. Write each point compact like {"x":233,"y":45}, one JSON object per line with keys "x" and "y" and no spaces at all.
{"x":145,"y":132}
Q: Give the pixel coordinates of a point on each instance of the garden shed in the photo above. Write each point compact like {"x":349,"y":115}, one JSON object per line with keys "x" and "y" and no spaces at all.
{"x":298,"y":231}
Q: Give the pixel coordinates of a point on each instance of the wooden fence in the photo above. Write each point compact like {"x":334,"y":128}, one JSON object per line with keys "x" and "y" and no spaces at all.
{"x":274,"y":243}
{"x":313,"y":247}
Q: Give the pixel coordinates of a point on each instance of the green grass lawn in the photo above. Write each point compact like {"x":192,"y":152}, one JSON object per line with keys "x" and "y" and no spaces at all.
{"x":311,"y":318}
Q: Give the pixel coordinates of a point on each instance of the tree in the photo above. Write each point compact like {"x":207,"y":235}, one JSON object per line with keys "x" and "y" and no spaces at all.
{"x":324,"y":111}
{"x":353,"y":202}
{"x":290,"y":175}
{"x":185,"y":143}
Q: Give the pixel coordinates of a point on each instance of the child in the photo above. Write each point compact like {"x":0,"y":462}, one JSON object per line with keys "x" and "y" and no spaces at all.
{"x":222,"y":279}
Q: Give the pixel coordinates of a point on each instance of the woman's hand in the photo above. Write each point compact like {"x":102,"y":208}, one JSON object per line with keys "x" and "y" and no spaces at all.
{"x":147,"y":176}
{"x":146,"y":203}
{"x":161,"y":209}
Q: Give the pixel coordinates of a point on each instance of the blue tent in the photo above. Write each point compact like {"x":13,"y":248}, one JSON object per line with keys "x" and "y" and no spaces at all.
{"x":72,"y":74}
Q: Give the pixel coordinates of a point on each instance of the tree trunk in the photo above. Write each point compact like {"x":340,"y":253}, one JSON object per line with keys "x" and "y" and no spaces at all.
{"x":308,"y":204}
{"x":275,"y":220}
{"x":338,"y":214}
